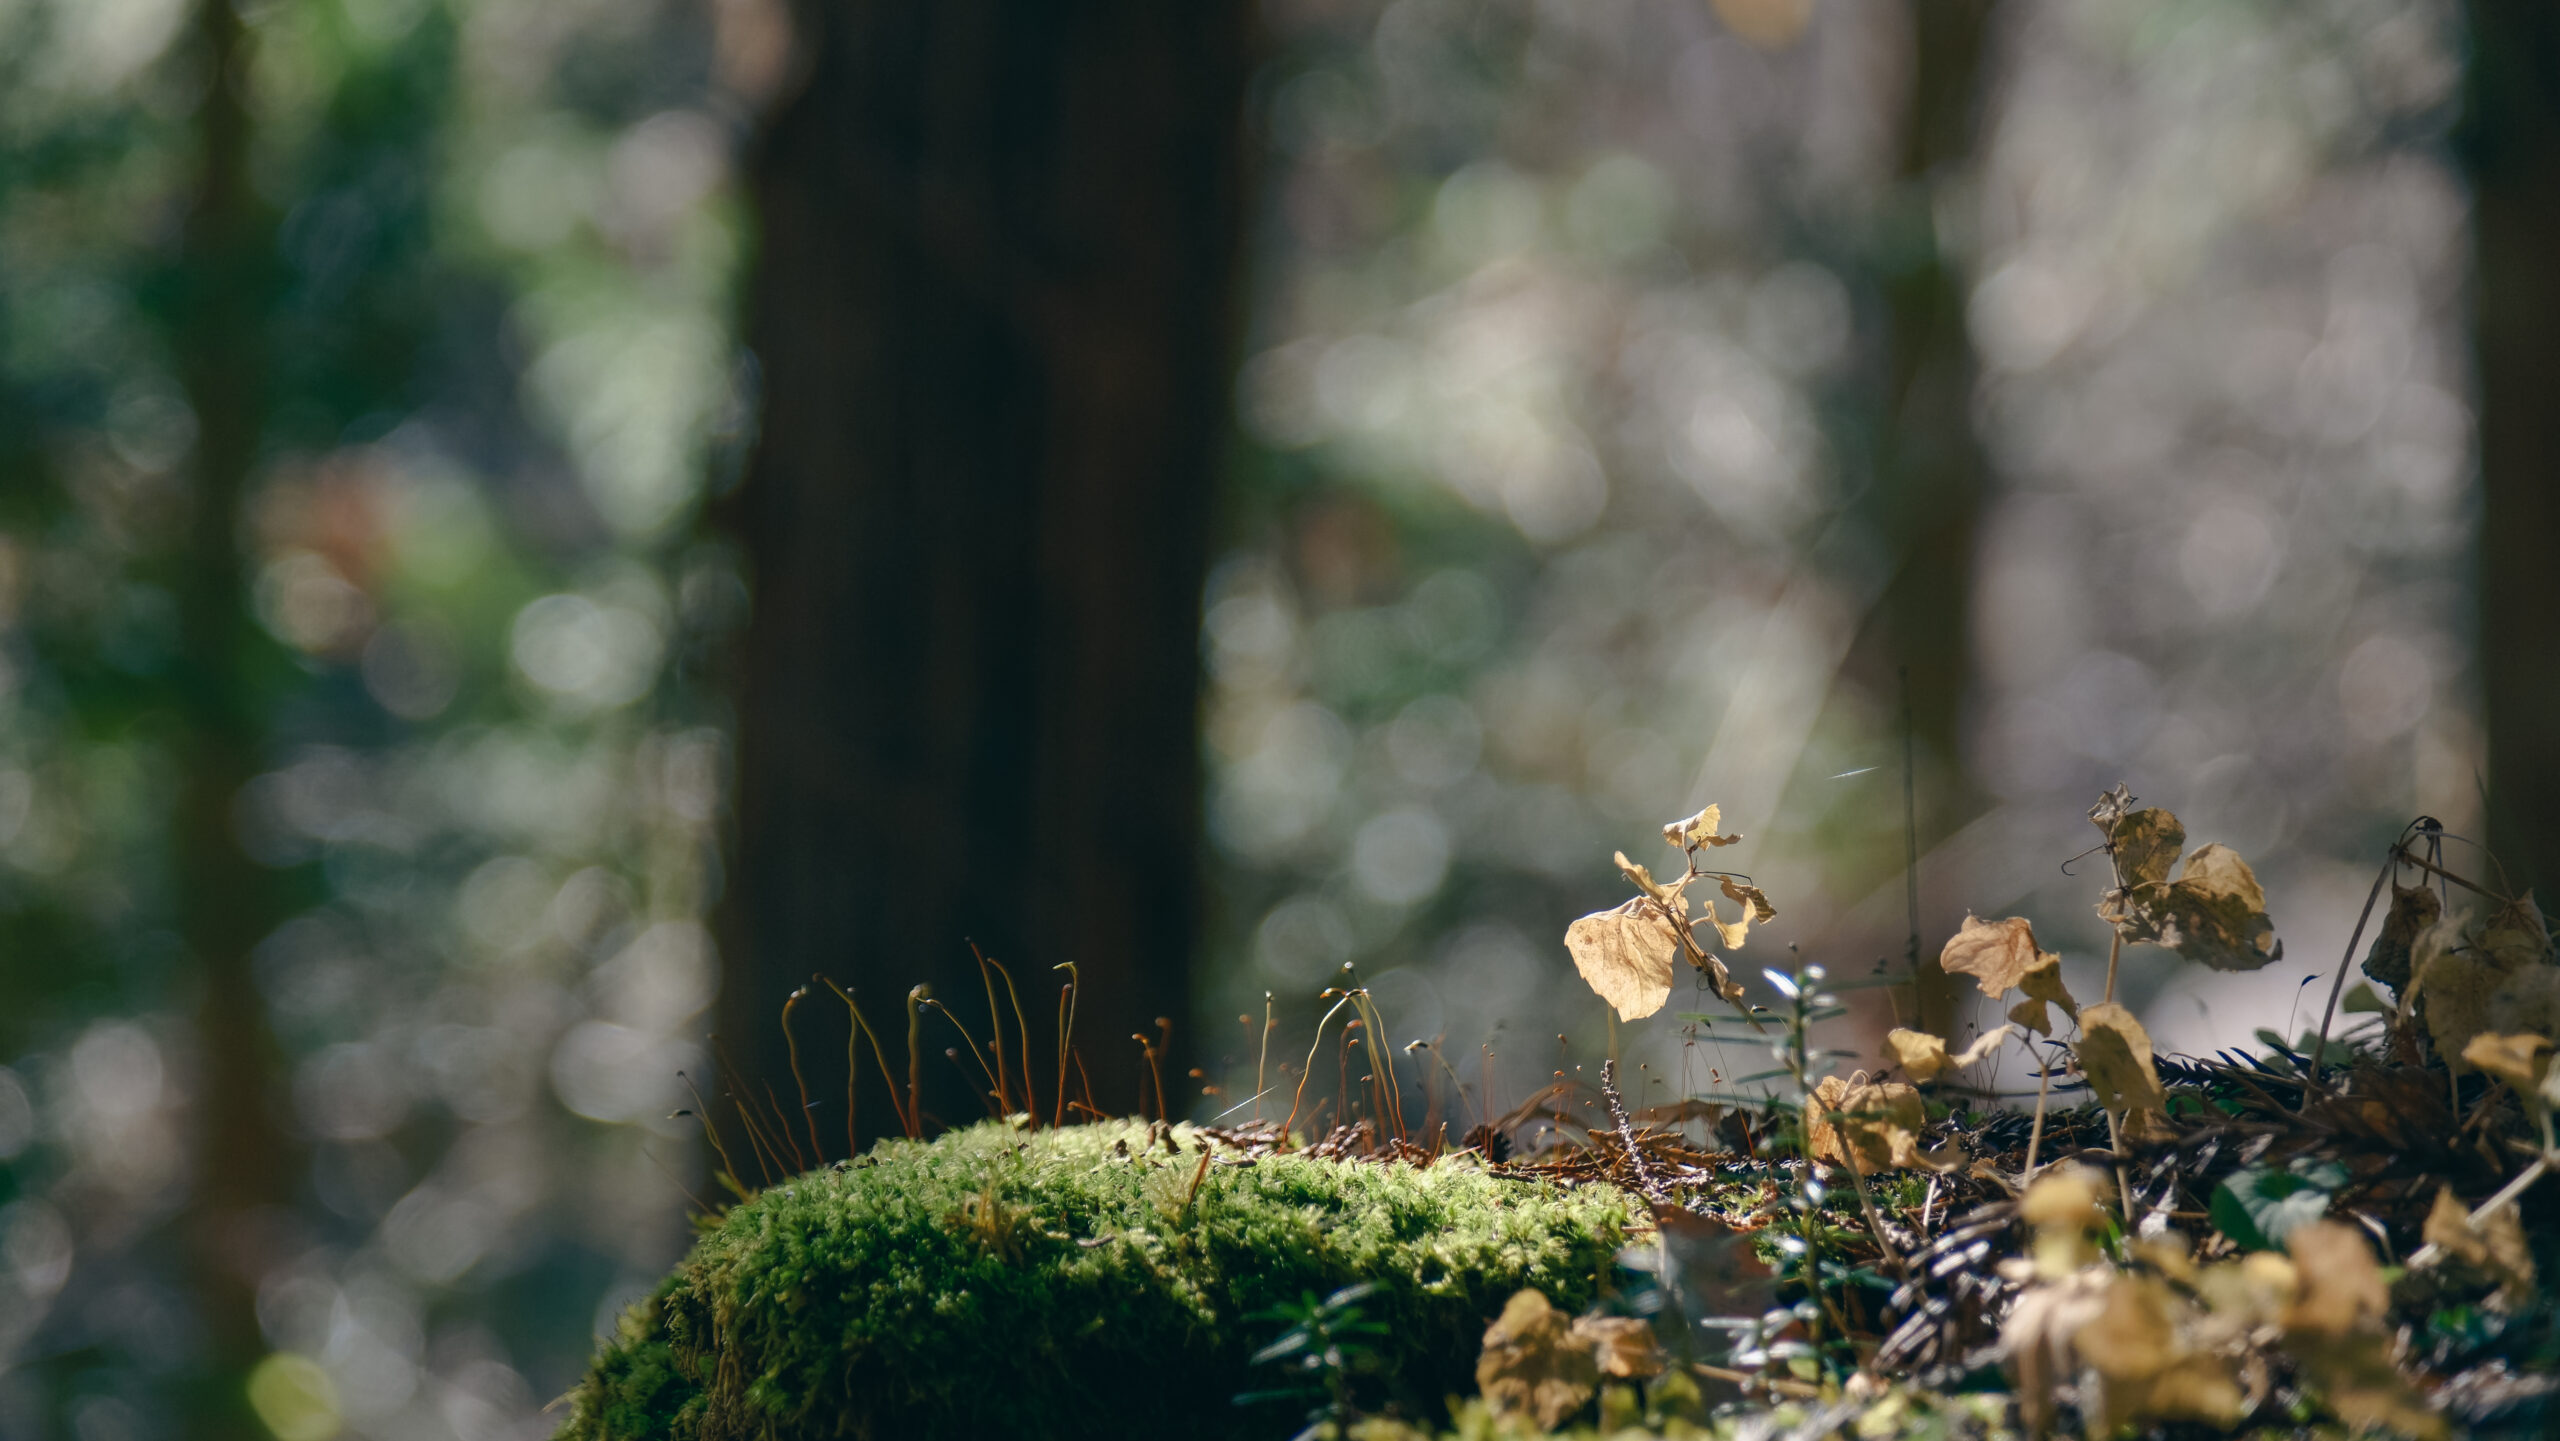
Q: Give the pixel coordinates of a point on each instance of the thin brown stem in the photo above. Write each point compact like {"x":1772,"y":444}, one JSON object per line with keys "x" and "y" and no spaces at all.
{"x":702,"y":1113}
{"x":1310,"y":1068}
{"x":995,"y":1034}
{"x":879,"y":1056}
{"x":1030,"y":1102}
{"x":1875,"y":1222}
{"x":791,"y":1043}
{"x":2115,"y":948}
{"x":915,"y":1063}
{"x":757,"y":1145}
{"x":1264,"y":1059}
{"x":782,"y":1127}
{"x":995,"y":1078}
{"x":2432,"y":868}
{"x":2035,"y":1133}
{"x":1066,"y":1040}
{"x":2329,"y":1012}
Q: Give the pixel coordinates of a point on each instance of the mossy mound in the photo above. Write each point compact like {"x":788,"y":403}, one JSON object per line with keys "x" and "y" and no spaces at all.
{"x":1074,"y":1283}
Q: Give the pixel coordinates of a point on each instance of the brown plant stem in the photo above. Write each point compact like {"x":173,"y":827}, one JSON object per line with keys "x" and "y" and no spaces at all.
{"x":2338,"y":983}
{"x":915,"y":1062}
{"x":791,"y":1045}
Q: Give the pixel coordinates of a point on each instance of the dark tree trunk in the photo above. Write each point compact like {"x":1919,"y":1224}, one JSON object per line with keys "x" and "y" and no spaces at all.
{"x":1929,"y":483}
{"x":993,"y":313}
{"x":227,"y":901}
{"x":2511,"y":142}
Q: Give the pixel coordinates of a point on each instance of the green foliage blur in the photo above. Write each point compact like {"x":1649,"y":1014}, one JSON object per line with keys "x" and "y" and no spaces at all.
{"x":492,"y":376}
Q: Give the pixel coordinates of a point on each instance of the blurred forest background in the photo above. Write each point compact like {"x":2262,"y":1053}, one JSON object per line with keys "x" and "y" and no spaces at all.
{"x":528,"y":527}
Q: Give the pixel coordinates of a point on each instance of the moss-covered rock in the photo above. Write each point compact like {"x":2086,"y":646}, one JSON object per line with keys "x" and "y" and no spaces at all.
{"x":1073,"y":1283}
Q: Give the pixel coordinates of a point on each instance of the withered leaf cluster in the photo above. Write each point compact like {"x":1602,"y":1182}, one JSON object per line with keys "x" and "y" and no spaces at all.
{"x":1628,"y":954}
{"x":2213,"y":913}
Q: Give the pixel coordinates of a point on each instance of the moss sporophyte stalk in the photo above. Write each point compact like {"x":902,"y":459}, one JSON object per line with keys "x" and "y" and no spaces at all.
{"x":1076,"y":1282}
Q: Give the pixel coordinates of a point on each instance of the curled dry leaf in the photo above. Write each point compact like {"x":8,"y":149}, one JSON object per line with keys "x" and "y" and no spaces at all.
{"x":1923,"y":1057}
{"x":1643,"y":880}
{"x":2495,"y":1247}
{"x":1997,"y":954}
{"x":1699,"y":830}
{"x":2521,"y":1060}
{"x":1626,"y":955}
{"x":2413,"y":909}
{"x":1729,"y":933}
{"x":1532,"y":1366}
{"x":2115,"y":1053}
{"x":2042,"y":982}
{"x":1751,"y":898}
{"x":2146,"y":843}
{"x":2514,"y":934}
{"x":1881,"y":1120}
{"x":2214,"y":912}
{"x":2471,"y":977}
{"x":2114,"y":803}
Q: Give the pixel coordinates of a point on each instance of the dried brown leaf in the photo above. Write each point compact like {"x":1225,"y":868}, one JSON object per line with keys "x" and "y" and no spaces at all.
{"x":1751,"y":897}
{"x":1731,"y":933}
{"x":2063,"y":1199}
{"x":1623,"y":1346}
{"x":1530,"y":1365}
{"x":2115,"y":1053}
{"x":2147,"y":1367}
{"x":2114,"y":804}
{"x":1625,"y":955}
{"x":2342,"y":1289}
{"x":1881,"y":1120}
{"x":2214,"y":913}
{"x":1699,"y":830}
{"x":2514,"y":934}
{"x":1923,"y":1057}
{"x":2146,"y":844}
{"x":2036,"y":1340}
{"x":2413,"y":909}
{"x":2495,"y":1248}
{"x":2528,"y":1000}
{"x":2043,"y":982}
{"x":2519,"y":1060}
{"x":2334,"y":1328}
{"x":2355,"y":1376}
{"x":1643,"y":880}
{"x":1997,"y":954}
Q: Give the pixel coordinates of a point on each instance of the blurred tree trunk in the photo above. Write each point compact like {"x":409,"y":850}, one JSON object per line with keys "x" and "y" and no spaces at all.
{"x":1930,"y":472}
{"x":227,"y":901}
{"x":2511,"y":143}
{"x":993,"y":312}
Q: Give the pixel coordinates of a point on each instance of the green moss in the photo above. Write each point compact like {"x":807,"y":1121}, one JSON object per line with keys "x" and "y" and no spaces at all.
{"x":992,"y":1283}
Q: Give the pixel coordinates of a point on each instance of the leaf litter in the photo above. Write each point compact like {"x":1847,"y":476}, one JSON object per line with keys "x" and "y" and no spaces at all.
{"x":2338,"y":1232}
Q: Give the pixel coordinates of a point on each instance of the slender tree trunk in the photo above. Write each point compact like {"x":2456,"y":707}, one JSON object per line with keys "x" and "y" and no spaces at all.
{"x":1930,"y":474}
{"x":993,"y":314}
{"x":2511,"y":143}
{"x":227,"y":901}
